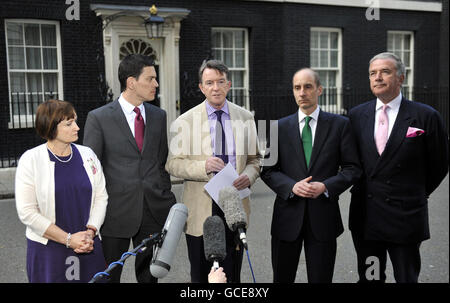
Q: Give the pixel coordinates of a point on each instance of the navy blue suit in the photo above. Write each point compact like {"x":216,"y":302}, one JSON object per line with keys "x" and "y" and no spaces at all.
{"x":389,"y":208}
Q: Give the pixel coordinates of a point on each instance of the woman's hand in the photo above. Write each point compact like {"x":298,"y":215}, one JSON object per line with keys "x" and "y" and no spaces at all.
{"x":82,"y":242}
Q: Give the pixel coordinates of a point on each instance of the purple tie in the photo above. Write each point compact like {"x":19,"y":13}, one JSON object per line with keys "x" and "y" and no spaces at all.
{"x":220,"y":143}
{"x":381,"y":135}
{"x":139,"y":128}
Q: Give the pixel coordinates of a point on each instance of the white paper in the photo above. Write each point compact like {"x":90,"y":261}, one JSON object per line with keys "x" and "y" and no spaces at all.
{"x":223,"y":179}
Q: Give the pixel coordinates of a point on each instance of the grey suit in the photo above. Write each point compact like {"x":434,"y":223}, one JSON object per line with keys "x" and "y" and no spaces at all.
{"x":137,"y":183}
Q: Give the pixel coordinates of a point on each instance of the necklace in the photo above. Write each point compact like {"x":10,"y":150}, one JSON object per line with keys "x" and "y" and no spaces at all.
{"x":57,"y":158}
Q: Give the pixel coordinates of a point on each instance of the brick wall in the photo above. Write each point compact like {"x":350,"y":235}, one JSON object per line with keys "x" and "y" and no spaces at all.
{"x":278,"y":45}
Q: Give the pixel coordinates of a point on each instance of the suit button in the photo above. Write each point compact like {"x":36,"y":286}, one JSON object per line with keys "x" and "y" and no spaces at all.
{"x":388,"y":182}
{"x":369,"y":196}
{"x":387,"y":200}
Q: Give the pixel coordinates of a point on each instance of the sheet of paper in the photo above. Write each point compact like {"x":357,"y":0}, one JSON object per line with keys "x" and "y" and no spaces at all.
{"x":223,"y":179}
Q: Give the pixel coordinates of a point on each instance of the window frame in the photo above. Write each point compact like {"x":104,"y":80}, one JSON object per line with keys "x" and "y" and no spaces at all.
{"x":408,"y":70}
{"x":26,"y":120}
{"x":245,"y":69}
{"x":338,"y":107}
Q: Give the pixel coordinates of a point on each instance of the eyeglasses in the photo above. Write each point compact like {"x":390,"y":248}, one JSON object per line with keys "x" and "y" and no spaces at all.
{"x":220,"y":83}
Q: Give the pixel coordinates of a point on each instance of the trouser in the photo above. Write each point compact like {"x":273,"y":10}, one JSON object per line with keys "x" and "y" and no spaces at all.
{"x":200,"y":267}
{"x":320,"y":257}
{"x":372,"y":256}
{"x":113,"y":248}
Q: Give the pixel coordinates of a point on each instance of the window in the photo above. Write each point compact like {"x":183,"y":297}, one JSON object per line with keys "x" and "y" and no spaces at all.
{"x":326,"y":59}
{"x":231,"y":46}
{"x":402,"y":44}
{"x":34,"y":67}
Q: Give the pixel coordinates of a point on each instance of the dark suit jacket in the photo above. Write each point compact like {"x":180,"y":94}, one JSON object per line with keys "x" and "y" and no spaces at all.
{"x":334,"y":161}
{"x":390,"y":201}
{"x":131,"y":177}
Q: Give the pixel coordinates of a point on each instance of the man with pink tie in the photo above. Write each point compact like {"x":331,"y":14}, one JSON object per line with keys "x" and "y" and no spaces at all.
{"x":403,"y":147}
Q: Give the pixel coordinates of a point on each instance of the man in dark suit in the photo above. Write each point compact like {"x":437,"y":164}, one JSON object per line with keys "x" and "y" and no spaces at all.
{"x":404,"y":153}
{"x":317,"y":161}
{"x":129,"y":137}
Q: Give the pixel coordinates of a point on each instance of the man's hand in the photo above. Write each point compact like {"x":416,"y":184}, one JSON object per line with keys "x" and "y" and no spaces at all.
{"x":217,"y":276}
{"x":306,"y":189}
{"x":241,"y":182}
{"x":214,"y":164}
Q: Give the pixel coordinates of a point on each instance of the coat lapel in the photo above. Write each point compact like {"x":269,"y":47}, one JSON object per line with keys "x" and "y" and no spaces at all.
{"x":121,"y":121}
{"x":203,"y":131}
{"x":149,"y":124}
{"x":294,"y":133}
{"x":234,"y":116}
{"x":322,"y":129}
{"x":397,"y":136}
{"x":369,"y":129}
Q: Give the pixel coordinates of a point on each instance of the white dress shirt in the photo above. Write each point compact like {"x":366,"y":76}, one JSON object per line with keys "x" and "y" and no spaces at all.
{"x":128,"y":110}
{"x":391,"y":111}
{"x":312,"y":123}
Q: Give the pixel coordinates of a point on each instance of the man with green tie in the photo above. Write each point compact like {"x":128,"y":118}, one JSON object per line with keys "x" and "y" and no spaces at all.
{"x":317,"y":161}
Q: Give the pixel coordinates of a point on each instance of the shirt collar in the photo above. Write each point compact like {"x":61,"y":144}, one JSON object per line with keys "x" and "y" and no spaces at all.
{"x":210,"y":109}
{"x":127,"y":107}
{"x":314,"y":115}
{"x":394,"y":104}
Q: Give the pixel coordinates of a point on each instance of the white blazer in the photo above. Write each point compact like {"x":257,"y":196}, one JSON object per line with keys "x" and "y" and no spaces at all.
{"x":35,"y":190}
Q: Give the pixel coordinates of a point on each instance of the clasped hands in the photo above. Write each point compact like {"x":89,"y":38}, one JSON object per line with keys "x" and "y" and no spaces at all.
{"x":306,"y":189}
{"x":215,"y":164}
{"x":82,"y":241}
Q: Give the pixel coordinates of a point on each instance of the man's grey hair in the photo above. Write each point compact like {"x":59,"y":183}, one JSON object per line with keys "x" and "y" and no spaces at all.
{"x":213,"y":64}
{"x":398,"y":62}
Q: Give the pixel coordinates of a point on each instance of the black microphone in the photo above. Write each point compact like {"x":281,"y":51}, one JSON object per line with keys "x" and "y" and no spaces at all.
{"x":170,"y":236}
{"x":214,"y":240}
{"x":231,"y":204}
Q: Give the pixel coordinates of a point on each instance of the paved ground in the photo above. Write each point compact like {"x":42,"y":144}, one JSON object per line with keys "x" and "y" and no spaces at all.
{"x":435,"y":252}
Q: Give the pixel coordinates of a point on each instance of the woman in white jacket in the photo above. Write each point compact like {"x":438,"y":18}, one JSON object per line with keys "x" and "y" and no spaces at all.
{"x":61,"y":198}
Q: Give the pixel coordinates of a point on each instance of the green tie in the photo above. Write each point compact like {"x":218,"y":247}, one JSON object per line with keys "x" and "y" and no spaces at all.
{"x":307,"y":140}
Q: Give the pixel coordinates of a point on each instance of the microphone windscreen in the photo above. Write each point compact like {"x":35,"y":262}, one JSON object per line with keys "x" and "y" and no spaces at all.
{"x":173,"y":228}
{"x":214,"y":239}
{"x":231,"y":204}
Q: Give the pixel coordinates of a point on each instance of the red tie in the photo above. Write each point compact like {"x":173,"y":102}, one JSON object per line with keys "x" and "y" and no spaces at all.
{"x":139,"y":128}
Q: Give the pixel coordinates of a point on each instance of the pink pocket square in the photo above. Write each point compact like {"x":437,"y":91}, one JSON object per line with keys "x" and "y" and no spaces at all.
{"x":414,"y":132}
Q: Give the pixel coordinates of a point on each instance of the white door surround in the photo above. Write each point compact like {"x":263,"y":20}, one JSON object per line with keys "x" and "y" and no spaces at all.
{"x":129,"y":24}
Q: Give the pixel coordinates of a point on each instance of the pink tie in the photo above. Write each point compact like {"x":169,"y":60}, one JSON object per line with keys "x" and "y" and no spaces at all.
{"x":381,"y":136}
{"x":139,"y":128}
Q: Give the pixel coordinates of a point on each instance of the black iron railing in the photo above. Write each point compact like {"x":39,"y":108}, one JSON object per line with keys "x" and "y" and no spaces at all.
{"x":17,"y":133}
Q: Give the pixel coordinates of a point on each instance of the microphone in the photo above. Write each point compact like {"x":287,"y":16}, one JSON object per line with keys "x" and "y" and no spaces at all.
{"x":214,"y":240}
{"x":170,"y":236}
{"x":236,"y":219}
